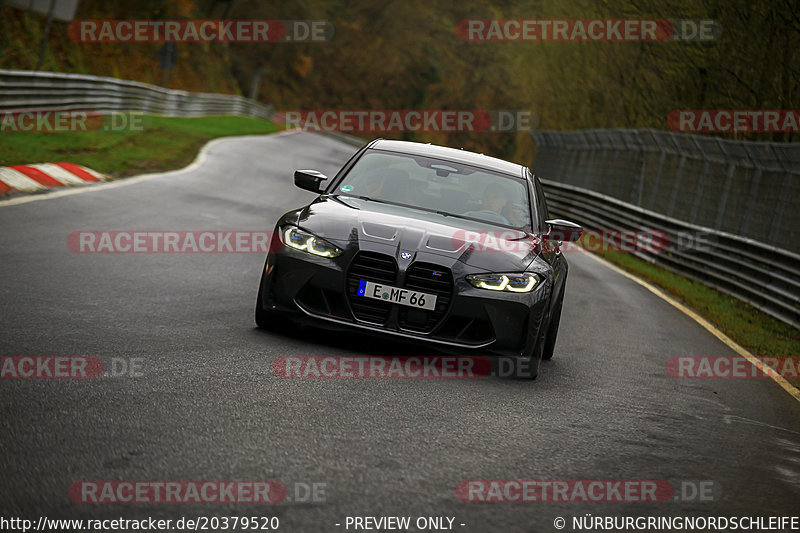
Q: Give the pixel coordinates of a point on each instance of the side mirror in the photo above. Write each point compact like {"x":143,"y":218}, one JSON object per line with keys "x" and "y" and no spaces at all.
{"x":310,"y":180}
{"x":563,"y":230}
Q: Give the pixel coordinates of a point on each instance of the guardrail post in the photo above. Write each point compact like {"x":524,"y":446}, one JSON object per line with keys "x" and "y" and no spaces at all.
{"x":657,"y":180}
{"x":637,"y":192}
{"x":46,"y":35}
{"x":777,"y":219}
{"x":676,"y":186}
{"x":701,"y":183}
{"x":723,"y":202}
{"x":755,"y":186}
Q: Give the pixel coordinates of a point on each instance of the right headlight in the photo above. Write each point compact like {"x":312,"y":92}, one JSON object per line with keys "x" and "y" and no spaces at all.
{"x":298,"y":239}
{"x":504,"y":282}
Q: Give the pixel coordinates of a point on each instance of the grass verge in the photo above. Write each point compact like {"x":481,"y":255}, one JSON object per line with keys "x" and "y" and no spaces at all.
{"x":755,"y":330}
{"x":164,"y":143}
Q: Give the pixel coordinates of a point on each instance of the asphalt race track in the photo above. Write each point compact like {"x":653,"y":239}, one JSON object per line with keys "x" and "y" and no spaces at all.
{"x":207,"y":405}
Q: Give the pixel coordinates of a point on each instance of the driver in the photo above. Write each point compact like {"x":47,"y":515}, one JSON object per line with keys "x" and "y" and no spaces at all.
{"x":496,"y":204}
{"x":495,"y":200}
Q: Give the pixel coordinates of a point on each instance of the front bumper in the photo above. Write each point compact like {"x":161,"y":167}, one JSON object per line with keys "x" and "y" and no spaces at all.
{"x":316,"y":290}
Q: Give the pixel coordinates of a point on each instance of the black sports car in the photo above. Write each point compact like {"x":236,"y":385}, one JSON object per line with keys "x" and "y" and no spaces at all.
{"x":426,"y":243}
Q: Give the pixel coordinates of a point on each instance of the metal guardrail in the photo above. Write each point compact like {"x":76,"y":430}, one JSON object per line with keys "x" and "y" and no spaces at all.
{"x":22,"y":90}
{"x":764,"y":276}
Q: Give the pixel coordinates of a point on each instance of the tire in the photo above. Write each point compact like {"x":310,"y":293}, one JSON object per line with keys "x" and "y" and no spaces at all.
{"x":526,"y":366}
{"x":263,"y":320}
{"x":552,"y":331}
{"x":270,"y":320}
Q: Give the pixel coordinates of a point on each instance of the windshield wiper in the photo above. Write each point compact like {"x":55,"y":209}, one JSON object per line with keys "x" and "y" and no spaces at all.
{"x":367,"y":198}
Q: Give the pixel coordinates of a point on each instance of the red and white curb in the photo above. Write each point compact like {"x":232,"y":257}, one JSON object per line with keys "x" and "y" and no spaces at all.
{"x":38,"y":178}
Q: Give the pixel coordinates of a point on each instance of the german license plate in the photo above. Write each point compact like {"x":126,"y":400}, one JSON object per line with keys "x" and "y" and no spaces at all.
{"x":387,"y":293}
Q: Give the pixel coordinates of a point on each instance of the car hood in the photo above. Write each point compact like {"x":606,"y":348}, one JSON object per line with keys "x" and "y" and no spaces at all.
{"x":351,"y":221}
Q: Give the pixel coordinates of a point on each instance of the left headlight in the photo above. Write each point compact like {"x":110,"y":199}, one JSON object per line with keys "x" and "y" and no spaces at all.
{"x":298,"y":239}
{"x":504,"y":282}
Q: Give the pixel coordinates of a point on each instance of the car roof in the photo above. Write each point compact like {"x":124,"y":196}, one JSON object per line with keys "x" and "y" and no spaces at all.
{"x":450,"y":154}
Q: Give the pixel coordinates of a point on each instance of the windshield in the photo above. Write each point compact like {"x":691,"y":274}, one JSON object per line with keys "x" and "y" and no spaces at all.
{"x":441,"y":186}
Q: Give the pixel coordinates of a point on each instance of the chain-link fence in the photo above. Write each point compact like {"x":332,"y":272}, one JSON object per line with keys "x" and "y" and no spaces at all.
{"x":751,"y":189}
{"x":724,"y":212}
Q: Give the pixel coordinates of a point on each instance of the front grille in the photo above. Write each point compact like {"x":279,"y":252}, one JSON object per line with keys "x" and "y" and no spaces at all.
{"x":431,"y":279}
{"x":423,"y":277}
{"x":376,"y":267}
